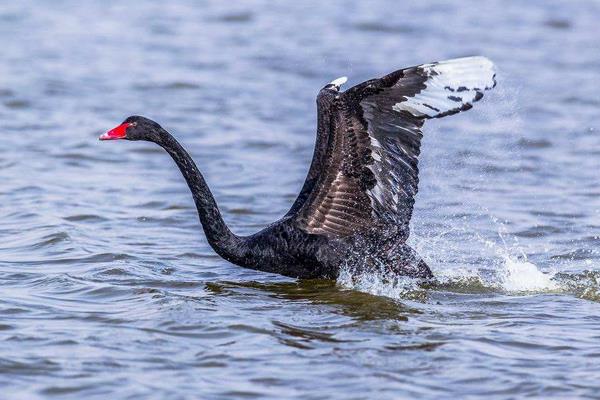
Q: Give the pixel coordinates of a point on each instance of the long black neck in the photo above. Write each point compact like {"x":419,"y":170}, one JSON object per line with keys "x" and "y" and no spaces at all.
{"x":219,"y":236}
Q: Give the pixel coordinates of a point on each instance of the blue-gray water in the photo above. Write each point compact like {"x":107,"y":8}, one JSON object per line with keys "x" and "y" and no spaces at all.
{"x":108,"y":288}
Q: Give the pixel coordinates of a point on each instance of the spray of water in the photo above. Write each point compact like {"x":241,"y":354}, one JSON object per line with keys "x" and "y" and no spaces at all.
{"x":508,"y":271}
{"x":378,"y":281}
{"x":476,"y":253}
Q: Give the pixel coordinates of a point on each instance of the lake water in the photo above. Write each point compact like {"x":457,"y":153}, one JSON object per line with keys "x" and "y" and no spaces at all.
{"x":109,"y":289}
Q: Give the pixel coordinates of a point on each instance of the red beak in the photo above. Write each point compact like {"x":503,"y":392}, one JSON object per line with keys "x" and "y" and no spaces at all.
{"x":116,"y":133}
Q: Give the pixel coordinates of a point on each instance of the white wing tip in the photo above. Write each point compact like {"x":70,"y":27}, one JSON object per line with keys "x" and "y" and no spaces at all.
{"x":451,"y":86}
{"x":476,"y":72}
{"x":339,"y":81}
{"x":481,"y":60}
{"x":473,"y":64}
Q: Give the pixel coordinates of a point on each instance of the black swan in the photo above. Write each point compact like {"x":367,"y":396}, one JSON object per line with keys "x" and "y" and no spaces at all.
{"x":357,"y":200}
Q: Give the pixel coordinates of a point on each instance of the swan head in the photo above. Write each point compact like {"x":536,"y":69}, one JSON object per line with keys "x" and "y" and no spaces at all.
{"x":134,"y":128}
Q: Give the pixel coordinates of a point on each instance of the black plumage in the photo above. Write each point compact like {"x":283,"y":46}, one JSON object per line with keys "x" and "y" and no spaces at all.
{"x":357,"y":201}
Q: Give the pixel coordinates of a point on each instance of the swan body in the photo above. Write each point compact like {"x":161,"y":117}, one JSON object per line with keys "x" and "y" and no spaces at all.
{"x":357,"y":200}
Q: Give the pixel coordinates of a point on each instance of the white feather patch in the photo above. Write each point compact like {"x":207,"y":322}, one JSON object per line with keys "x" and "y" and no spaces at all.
{"x":377,"y":193}
{"x":450,"y":86}
{"x":339,"y":81}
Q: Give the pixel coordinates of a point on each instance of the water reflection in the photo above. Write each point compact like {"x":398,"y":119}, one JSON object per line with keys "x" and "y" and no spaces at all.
{"x":358,"y":305}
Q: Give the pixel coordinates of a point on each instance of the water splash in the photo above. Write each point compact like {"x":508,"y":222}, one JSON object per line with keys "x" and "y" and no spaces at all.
{"x":513,"y":276}
{"x":523,"y":276}
{"x":508,"y":275}
{"x":507,"y":271}
{"x":515,"y":273}
{"x":379,"y":282}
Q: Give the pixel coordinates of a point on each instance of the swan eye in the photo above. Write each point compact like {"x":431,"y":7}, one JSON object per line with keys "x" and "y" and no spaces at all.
{"x":133,"y":124}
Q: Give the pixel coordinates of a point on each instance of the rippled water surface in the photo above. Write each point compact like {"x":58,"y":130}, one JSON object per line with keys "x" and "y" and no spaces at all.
{"x":109,"y":289}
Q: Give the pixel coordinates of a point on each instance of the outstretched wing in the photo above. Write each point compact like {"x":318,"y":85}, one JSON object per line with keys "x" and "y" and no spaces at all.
{"x":325,"y":100}
{"x":370,"y":175}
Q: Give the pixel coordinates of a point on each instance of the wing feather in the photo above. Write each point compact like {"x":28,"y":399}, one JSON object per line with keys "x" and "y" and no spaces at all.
{"x":369,"y":174}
